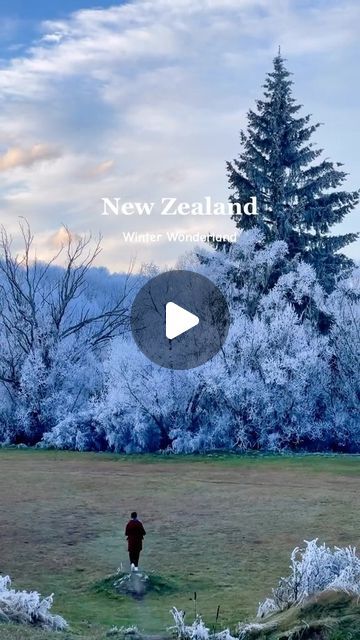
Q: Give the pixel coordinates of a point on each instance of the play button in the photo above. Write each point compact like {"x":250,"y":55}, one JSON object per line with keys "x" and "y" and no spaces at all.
{"x":179,"y":319}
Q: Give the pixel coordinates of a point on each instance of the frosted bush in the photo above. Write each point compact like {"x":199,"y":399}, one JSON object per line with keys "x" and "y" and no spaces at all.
{"x":27,"y":608}
{"x":197,"y":630}
{"x":124,"y":632}
{"x":314,"y":569}
{"x":78,"y":431}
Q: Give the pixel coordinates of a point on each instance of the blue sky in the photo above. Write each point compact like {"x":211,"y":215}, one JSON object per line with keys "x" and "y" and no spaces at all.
{"x":145,"y":99}
{"x":49,"y":9}
{"x":21,"y":19}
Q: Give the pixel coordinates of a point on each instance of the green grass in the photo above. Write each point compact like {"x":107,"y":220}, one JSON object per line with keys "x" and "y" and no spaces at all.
{"x":222,"y":526}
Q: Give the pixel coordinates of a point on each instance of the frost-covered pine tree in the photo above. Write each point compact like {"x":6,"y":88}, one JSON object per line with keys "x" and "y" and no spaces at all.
{"x":297,"y":196}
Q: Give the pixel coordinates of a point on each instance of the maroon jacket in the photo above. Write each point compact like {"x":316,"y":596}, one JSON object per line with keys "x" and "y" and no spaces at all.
{"x":135,"y":532}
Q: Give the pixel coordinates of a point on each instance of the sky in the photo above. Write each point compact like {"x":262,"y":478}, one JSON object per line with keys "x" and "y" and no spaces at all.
{"x":145,"y":99}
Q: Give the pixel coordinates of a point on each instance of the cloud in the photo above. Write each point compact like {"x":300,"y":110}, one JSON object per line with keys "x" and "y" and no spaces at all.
{"x":61,"y":238}
{"x":100,"y":169}
{"x":145,"y":100}
{"x":52,"y":37}
{"x":18,"y":157}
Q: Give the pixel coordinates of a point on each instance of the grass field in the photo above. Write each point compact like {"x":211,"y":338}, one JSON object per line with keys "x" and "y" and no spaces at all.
{"x":222,"y":526}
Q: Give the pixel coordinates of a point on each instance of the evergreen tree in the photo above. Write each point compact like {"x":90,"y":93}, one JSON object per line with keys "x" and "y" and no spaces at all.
{"x":297,"y":197}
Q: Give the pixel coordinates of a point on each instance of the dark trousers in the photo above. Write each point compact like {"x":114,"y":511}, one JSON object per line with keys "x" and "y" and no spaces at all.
{"x":134,"y":556}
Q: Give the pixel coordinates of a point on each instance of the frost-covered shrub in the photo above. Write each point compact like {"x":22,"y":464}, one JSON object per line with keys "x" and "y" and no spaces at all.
{"x":47,"y":396}
{"x":6,"y":418}
{"x":135,"y":401}
{"x":197,"y":630}
{"x":315,"y":569}
{"x":78,"y":432}
{"x":27,"y":608}
{"x":345,"y":361}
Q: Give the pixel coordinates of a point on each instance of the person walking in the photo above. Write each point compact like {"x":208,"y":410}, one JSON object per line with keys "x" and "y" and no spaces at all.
{"x":135,"y":533}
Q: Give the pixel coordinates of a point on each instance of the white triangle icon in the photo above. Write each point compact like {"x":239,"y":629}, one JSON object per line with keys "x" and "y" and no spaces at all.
{"x":178,"y":320}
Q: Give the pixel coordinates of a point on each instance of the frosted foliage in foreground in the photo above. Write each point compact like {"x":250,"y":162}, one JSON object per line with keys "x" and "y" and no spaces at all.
{"x":314,"y":569}
{"x":27,"y":608}
{"x":197,"y":630}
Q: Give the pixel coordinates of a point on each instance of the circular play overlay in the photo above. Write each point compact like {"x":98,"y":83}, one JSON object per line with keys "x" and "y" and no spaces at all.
{"x":180,"y":320}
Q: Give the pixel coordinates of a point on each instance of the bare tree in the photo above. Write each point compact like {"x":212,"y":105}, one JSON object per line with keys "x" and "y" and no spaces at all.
{"x":42,"y":305}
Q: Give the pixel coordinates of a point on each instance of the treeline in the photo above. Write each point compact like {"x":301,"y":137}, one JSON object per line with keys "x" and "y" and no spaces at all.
{"x":72,"y":377}
{"x":289,"y":374}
